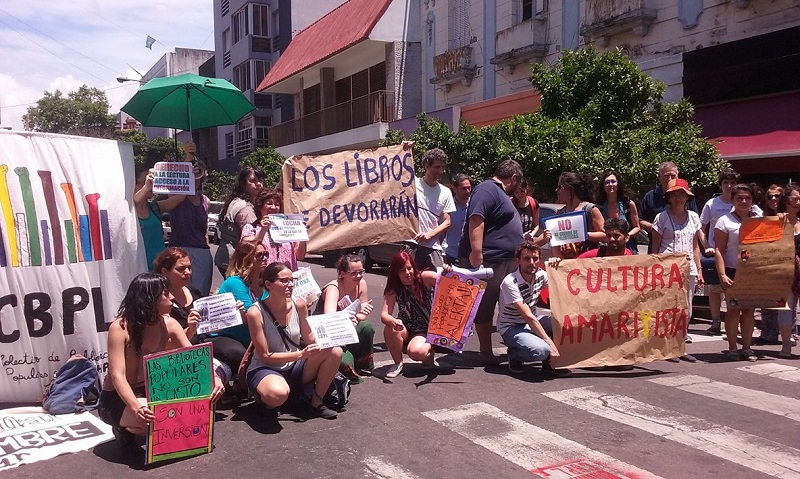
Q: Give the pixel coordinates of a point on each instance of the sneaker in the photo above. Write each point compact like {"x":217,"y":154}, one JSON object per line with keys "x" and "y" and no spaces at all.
{"x":688,"y":358}
{"x":516,"y":366}
{"x":324,"y":412}
{"x":489,"y":359}
{"x":394,"y":371}
{"x":688,"y":339}
{"x":672,"y":360}
{"x":431,"y":363}
{"x":731,"y":355}
{"x":786,"y":352}
{"x":748,"y":354}
{"x":547,"y":368}
{"x":716,"y":328}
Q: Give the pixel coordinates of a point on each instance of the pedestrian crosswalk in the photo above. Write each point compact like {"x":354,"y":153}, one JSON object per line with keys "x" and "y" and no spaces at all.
{"x":548,"y":454}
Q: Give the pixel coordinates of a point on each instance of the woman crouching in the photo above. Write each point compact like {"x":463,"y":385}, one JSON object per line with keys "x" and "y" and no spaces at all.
{"x":143,"y":327}
{"x":281,"y":365}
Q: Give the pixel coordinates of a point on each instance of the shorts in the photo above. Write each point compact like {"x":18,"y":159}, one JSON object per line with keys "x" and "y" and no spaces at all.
{"x":427,"y":258}
{"x":110,"y":406}
{"x":293,"y":376}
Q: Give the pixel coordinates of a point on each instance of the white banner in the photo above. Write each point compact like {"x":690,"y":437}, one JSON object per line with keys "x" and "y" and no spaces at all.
{"x":287,"y":228}
{"x":173,"y":178}
{"x":69,"y":247}
{"x":567,"y":228}
{"x":333,"y":329}
{"x":218,"y":311}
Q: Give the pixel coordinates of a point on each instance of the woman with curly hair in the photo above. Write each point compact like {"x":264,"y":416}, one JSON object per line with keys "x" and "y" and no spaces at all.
{"x":236,"y":213}
{"x":614,"y":201}
{"x":270,"y":202}
{"x":143,"y":326}
{"x":575,"y":192}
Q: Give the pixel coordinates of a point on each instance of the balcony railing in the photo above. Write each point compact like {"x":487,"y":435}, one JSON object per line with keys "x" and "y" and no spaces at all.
{"x":604,"y":18}
{"x":454,"y":66}
{"x":373,"y":108}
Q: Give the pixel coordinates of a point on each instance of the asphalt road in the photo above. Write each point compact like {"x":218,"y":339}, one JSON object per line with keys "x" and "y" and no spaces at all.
{"x":672,"y":420}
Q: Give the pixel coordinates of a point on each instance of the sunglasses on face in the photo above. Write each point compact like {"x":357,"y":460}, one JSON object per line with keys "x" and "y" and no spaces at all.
{"x":261,"y":255}
{"x":357,"y":272}
{"x":773,"y":197}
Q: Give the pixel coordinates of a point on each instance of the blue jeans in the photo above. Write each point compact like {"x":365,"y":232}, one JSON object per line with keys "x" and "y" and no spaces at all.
{"x":524,"y":345}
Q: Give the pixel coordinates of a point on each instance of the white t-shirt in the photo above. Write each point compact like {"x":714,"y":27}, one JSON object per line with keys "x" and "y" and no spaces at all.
{"x":678,"y":237}
{"x":715,"y":209}
{"x":515,"y":289}
{"x":432,"y":203}
{"x":730,"y":224}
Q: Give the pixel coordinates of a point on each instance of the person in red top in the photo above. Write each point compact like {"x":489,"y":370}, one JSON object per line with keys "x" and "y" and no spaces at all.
{"x":616,"y":236}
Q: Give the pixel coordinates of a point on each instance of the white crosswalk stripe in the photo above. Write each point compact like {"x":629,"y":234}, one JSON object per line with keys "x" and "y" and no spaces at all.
{"x":774,"y":370}
{"x":772,"y":403}
{"x":742,"y":448}
{"x":382,"y":469}
{"x":533,"y":448}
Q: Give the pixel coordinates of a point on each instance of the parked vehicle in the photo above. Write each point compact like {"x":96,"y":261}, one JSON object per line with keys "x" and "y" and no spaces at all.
{"x":214,"y":209}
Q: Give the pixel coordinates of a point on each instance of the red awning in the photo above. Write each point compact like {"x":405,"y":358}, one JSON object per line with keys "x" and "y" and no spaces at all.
{"x":346,"y":25}
{"x":757,"y":128}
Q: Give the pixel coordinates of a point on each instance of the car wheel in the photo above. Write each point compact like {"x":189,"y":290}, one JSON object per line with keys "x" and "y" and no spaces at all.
{"x":363,"y":253}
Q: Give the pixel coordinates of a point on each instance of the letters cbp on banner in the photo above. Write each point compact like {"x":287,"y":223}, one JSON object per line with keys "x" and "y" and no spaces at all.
{"x":353,"y":198}
{"x":69,"y":247}
{"x":173,"y":178}
{"x":567,"y":228}
{"x":619,"y":310}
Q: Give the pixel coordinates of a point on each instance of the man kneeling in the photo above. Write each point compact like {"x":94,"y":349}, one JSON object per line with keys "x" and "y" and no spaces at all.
{"x":528,"y":338}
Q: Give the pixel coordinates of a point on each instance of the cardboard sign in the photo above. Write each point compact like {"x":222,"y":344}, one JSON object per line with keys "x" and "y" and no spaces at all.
{"x":353,"y":198}
{"x":305,"y":286}
{"x":287,"y":228}
{"x":217,"y":312}
{"x":333,"y":329}
{"x":181,"y":428}
{"x":619,"y":310}
{"x":173,"y":178}
{"x":455,"y":303}
{"x":183,"y":373}
{"x":567,"y":228}
{"x":766,"y":265}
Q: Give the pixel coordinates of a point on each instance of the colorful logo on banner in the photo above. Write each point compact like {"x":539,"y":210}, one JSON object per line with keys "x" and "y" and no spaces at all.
{"x":455,"y":303}
{"x":34,"y":242}
{"x":179,"y":384}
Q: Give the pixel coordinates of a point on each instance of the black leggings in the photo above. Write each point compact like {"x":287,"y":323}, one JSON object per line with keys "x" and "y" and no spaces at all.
{"x":228,"y":350}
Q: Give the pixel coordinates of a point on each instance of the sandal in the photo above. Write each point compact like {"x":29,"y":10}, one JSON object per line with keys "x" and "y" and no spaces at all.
{"x":731,"y":355}
{"x":748,"y":354}
{"x":322,"y":410}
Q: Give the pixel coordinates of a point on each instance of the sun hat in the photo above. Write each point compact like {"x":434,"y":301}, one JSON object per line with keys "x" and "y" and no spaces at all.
{"x":678,"y":184}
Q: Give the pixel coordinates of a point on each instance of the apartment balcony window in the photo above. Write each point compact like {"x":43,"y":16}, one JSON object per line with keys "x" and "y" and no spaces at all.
{"x":261,"y":19}
{"x":244,"y":136}
{"x":524,"y":42}
{"x":240,"y":24}
{"x":605,"y":18}
{"x":262,"y":101}
{"x":374,"y":107}
{"x":241,"y":76}
{"x":454,"y":66}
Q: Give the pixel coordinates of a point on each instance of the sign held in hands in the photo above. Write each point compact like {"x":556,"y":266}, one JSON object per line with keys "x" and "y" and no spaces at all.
{"x":333,"y":329}
{"x":287,"y":228}
{"x":217,"y":312}
{"x":173,"y":178}
{"x":567,"y":228}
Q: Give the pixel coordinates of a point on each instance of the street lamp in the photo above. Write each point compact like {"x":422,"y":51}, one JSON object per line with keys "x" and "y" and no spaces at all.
{"x":124,"y":79}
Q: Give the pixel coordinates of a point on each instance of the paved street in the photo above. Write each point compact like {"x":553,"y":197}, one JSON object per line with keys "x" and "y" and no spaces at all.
{"x":671,"y":420}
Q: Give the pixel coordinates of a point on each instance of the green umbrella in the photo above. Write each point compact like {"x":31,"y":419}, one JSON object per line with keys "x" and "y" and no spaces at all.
{"x":188,"y":102}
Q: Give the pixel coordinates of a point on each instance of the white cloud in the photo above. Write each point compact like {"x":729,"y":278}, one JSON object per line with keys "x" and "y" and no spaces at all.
{"x":61,"y":45}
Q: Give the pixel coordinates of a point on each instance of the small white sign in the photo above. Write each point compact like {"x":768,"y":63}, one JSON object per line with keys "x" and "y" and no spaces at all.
{"x":567,"y":228}
{"x":305,"y":286}
{"x":333,"y":329}
{"x":217,"y":312}
{"x":173,"y":178}
{"x":287,"y":228}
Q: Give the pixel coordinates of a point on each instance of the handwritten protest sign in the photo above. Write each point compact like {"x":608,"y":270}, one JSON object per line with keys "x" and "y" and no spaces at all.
{"x":567,"y":228}
{"x":173,"y":178}
{"x":619,"y":310}
{"x":287,"y":228}
{"x":183,"y":428}
{"x":333,"y":329}
{"x":353,"y":198}
{"x":217,"y":312}
{"x":305,"y":286}
{"x":182,"y":373}
{"x":766,"y":265}
{"x":179,"y":384}
{"x":455,"y":302}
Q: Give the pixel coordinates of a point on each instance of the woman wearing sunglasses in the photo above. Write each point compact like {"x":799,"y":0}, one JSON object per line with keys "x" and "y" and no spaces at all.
{"x":336,"y":296}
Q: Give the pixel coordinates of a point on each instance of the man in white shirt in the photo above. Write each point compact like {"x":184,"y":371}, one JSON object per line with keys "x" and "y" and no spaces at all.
{"x":434,"y":205}
{"x":528,"y":337}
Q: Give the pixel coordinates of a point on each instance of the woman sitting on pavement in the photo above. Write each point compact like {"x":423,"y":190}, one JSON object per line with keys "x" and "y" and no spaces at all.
{"x":411,"y":290}
{"x":143,"y":326}
{"x":281,"y":365}
{"x":678,"y":230}
{"x":336,"y":296}
{"x":174,"y":263}
{"x":270,"y":202}
{"x":726,"y":236}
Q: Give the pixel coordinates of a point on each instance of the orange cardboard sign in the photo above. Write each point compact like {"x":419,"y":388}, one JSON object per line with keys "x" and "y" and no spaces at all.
{"x":764,"y":230}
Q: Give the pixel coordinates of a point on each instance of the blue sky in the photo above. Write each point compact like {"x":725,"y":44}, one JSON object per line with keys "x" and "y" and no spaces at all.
{"x":47,"y":45}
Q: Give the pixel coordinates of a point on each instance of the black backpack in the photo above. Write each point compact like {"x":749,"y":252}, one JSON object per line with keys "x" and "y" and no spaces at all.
{"x":338,"y":393}
{"x":75,"y":387}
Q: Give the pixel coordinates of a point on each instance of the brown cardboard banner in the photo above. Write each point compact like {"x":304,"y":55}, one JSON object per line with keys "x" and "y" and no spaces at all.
{"x":353,"y":198}
{"x":766,"y":265}
{"x":619,"y":310}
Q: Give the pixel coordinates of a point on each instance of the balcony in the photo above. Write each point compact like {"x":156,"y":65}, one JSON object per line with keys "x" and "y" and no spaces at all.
{"x":373,"y":108}
{"x":521,"y":44}
{"x":454,"y":66}
{"x":605,"y":18}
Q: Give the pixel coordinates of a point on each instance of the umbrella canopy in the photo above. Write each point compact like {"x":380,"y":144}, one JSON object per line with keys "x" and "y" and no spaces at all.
{"x":188,"y":102}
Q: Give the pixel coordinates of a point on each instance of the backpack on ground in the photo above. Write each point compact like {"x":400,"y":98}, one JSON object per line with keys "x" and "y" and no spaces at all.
{"x":338,"y":393}
{"x":75,"y":387}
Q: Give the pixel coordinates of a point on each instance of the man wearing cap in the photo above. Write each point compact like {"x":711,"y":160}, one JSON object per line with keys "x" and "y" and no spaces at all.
{"x":678,"y":230}
{"x":654,"y":203}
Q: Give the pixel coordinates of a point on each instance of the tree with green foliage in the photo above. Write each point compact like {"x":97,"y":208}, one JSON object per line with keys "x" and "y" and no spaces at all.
{"x":269,"y":161}
{"x":218,"y":185}
{"x":83,"y":112}
{"x":598,"y":111}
